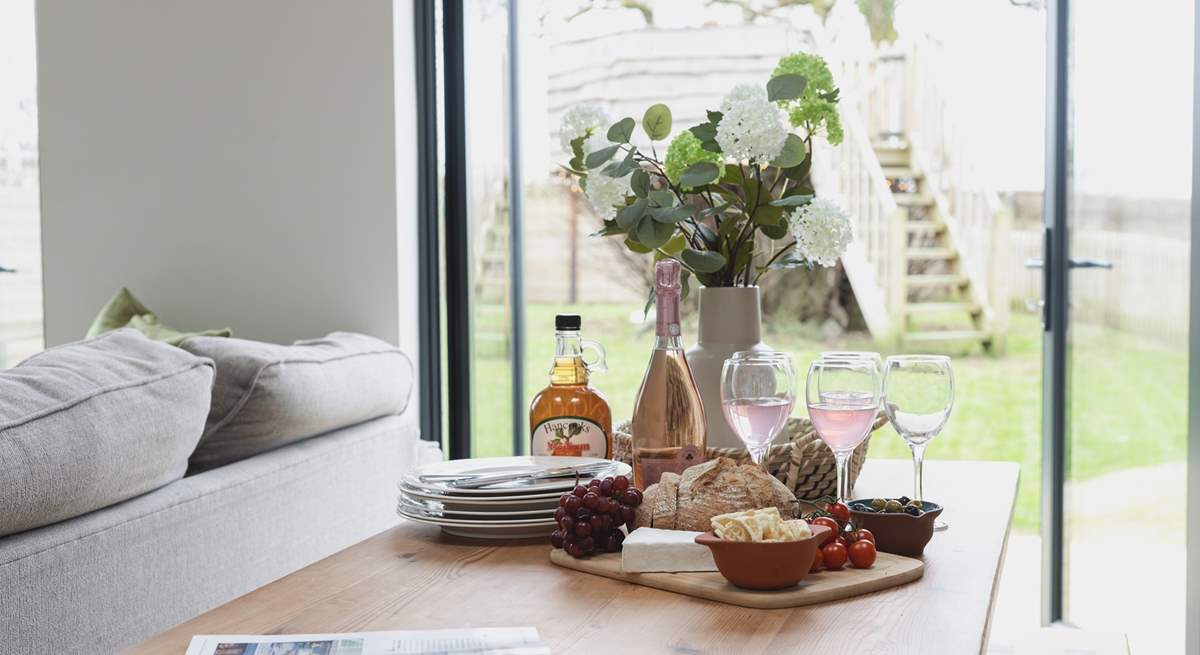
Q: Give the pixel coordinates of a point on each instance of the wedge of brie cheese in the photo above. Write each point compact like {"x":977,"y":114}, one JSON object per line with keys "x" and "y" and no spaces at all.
{"x":651,"y":550}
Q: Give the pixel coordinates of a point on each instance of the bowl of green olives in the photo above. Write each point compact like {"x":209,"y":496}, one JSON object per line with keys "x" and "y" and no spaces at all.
{"x":901,"y":526}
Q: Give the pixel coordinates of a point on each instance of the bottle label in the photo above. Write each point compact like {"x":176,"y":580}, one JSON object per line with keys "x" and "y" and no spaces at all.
{"x":573,"y":436}
{"x":652,"y":468}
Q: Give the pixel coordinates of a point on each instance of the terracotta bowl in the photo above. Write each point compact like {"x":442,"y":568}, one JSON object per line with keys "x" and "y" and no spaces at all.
{"x":898,"y":533}
{"x":762,"y":566}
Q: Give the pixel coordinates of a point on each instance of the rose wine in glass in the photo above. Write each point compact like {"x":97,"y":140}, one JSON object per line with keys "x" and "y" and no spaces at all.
{"x":668,"y":418}
{"x":758,"y":390}
{"x":918,"y":395}
{"x":843,"y":399}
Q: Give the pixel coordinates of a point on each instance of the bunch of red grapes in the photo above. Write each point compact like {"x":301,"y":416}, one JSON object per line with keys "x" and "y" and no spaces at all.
{"x":590,"y":517}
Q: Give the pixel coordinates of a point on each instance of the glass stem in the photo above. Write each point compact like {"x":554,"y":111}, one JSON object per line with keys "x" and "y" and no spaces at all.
{"x":843,"y":461}
{"x":918,"y":452}
{"x":759,"y":457}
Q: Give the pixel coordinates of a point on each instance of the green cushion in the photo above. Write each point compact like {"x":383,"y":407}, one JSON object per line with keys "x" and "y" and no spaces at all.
{"x":123,"y":310}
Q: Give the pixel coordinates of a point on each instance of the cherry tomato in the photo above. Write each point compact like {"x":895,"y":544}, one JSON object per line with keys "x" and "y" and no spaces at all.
{"x":862,"y":534}
{"x":862,"y":554}
{"x":839,"y":512}
{"x":834,"y":556}
{"x":842,"y":541}
{"x":818,"y":562}
{"x":829,"y":523}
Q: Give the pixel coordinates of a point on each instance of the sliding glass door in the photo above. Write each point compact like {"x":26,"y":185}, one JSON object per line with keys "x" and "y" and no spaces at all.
{"x":1128,"y":207}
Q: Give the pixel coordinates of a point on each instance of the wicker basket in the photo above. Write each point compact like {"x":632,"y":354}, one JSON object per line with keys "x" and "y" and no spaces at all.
{"x":804,"y":463}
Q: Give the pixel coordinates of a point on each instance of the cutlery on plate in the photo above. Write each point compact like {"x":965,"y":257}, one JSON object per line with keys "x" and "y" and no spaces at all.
{"x":585,"y":471}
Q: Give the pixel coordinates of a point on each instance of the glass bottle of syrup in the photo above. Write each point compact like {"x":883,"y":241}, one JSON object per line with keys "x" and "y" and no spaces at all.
{"x":569,"y":417}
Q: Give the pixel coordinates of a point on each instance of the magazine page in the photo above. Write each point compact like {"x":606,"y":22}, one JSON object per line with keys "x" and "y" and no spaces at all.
{"x":467,"y":641}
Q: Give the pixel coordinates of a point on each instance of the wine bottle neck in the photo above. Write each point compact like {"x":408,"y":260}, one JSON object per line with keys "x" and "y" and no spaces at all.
{"x":667,"y":314}
{"x":668,"y":343}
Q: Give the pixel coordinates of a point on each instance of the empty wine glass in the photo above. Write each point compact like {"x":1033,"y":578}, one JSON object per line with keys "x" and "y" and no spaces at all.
{"x":843,"y":399}
{"x":918,"y":394}
{"x":758,"y":390}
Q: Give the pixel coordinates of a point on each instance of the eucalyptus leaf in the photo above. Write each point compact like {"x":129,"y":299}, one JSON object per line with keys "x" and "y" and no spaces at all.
{"x":685,"y":278}
{"x":704,"y":132}
{"x":768,"y":215}
{"x":732,"y":175}
{"x":777,"y":231}
{"x":703,"y":261}
{"x":798,"y":200}
{"x":622,"y":168}
{"x":792,"y":154}
{"x":671,"y":214}
{"x":627,"y":218}
{"x":786,"y":87}
{"x":797,"y":173}
{"x":699,"y":174}
{"x":621,"y":131}
{"x":610,"y":228}
{"x":656,"y":122}
{"x":649,"y":303}
{"x":640,"y":183}
{"x":661,"y":198}
{"x":675,"y":244}
{"x":790,"y":260}
{"x":637,"y":247}
{"x":653,"y":234}
{"x":595,"y":159}
{"x":714,"y":117}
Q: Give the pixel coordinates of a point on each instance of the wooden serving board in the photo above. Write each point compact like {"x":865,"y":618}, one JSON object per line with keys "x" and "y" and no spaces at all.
{"x":889,"y":571}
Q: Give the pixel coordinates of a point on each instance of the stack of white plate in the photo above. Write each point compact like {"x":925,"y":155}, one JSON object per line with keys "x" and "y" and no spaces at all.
{"x":507,"y":510}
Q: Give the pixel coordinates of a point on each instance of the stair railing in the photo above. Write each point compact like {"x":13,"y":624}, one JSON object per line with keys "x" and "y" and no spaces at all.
{"x":874,"y":261}
{"x":978,"y":224}
{"x":901,"y":91}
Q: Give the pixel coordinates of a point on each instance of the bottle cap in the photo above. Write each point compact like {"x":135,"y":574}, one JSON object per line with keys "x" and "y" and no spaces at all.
{"x":567,"y":322}
{"x":666,"y":275}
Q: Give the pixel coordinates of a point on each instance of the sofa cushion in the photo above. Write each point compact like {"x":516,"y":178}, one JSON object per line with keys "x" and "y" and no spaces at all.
{"x":92,"y":423}
{"x":267,"y":395}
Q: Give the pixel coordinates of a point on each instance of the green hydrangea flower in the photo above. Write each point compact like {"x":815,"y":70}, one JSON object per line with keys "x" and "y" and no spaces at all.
{"x":684,"y":151}
{"x":816,"y":109}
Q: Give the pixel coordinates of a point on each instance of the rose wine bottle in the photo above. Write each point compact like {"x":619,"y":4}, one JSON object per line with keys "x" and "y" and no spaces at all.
{"x":668,"y":419}
{"x":569,"y":417}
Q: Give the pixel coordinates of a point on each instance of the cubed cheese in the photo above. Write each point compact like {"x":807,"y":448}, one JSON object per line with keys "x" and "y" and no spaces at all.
{"x":649,"y":550}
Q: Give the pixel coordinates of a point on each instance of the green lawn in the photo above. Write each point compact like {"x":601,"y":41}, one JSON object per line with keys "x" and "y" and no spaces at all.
{"x":1129,"y":396}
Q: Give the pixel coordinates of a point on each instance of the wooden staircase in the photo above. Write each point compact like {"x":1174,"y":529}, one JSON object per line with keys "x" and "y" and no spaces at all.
{"x":937,"y":303}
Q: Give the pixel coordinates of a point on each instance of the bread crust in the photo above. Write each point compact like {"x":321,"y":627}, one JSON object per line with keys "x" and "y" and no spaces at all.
{"x":718,"y":486}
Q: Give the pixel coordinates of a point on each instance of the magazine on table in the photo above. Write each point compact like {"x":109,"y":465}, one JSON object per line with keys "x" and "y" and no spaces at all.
{"x":467,"y":641}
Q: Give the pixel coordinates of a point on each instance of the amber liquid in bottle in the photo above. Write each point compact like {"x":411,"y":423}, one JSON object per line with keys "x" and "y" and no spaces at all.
{"x":569,"y":417}
{"x":669,"y":432}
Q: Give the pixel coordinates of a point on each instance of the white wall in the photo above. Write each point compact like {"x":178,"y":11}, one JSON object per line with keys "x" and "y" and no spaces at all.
{"x":233,"y":163}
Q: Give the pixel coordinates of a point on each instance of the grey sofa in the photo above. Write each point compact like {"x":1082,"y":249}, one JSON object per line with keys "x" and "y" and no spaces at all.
{"x":109,"y":578}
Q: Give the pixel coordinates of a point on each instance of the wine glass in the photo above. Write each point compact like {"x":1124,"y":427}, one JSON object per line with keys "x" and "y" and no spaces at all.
{"x":872,"y":357}
{"x":758,"y":390}
{"x":843,"y":399}
{"x":918,"y":394}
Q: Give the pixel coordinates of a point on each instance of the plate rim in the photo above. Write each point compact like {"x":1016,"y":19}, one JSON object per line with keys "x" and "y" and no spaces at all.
{"x":549,"y":522}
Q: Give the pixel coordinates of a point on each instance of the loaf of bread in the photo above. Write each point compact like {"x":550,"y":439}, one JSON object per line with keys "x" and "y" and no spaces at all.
{"x":718,"y":486}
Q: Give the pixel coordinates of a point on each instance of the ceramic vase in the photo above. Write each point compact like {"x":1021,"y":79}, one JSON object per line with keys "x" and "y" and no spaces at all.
{"x":730,"y":321}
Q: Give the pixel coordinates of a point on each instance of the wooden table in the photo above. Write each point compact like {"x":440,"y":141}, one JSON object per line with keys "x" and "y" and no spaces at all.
{"x":412,"y":576}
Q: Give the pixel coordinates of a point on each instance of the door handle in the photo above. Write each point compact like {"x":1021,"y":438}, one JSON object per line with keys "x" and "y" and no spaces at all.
{"x":1073,"y":263}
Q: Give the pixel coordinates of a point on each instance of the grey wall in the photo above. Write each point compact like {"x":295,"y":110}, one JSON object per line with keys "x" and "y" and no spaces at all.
{"x":233,"y":163}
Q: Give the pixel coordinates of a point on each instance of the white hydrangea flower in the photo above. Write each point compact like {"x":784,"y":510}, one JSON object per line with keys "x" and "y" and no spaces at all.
{"x":604,"y":193}
{"x":822,"y":231}
{"x":752,"y":126}
{"x":579,"y":121}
